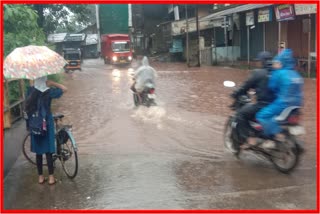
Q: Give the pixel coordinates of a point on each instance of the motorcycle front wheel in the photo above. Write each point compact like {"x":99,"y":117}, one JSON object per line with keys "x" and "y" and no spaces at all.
{"x":286,"y":157}
{"x":136,"y":99}
{"x":228,"y":142}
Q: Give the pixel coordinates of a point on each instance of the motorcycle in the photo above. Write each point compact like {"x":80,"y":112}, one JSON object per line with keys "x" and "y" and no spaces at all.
{"x":285,"y":155}
{"x":146,"y":97}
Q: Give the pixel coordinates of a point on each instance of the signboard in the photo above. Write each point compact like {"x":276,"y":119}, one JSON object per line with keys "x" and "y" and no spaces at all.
{"x":250,"y":18}
{"x":176,"y":13}
{"x":302,"y":9}
{"x":225,"y":23}
{"x":265,"y":15}
{"x":212,"y":23}
{"x":236,"y":20}
{"x":170,"y":8}
{"x":179,"y":27}
{"x":284,"y":12}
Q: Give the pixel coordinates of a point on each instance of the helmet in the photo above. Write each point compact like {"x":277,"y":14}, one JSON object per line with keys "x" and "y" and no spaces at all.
{"x":266,"y":58}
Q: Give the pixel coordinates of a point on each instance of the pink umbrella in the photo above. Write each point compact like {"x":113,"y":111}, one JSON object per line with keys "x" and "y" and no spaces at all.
{"x":32,"y":62}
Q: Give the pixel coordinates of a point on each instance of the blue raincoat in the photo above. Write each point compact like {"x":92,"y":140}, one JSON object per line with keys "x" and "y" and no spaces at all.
{"x":287,"y":85}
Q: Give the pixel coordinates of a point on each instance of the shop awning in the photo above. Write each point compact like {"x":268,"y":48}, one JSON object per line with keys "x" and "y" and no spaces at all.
{"x":239,"y":9}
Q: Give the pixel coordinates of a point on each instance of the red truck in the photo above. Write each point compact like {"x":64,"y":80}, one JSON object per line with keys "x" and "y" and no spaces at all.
{"x":116,"y":48}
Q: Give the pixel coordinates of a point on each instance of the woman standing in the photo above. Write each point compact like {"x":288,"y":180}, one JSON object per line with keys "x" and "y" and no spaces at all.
{"x":45,"y":144}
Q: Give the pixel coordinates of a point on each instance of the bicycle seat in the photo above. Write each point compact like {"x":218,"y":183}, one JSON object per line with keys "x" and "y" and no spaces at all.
{"x":58,"y":116}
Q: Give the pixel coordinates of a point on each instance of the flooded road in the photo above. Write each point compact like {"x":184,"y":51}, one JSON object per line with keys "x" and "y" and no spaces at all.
{"x":170,"y":156}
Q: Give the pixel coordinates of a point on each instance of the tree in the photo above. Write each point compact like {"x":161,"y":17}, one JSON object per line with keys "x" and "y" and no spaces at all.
{"x":20,"y":27}
{"x":70,"y":17}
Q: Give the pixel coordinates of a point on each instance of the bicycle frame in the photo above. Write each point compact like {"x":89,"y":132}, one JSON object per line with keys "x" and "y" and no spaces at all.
{"x":62,"y":152}
{"x":71,"y":138}
{"x":67,"y":129}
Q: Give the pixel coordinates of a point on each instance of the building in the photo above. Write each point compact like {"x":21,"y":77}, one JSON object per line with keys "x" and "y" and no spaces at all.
{"x":237,"y":34}
{"x":113,"y":18}
{"x":145,"y":22}
{"x":90,"y":47}
{"x":57,"y":39}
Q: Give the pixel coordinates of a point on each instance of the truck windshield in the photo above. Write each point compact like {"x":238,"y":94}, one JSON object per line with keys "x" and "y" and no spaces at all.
{"x":120,"y":46}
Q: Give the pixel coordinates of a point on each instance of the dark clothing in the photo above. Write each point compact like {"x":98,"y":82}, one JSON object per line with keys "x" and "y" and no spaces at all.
{"x":44,"y":144}
{"x":40,"y":163}
{"x":244,"y":115}
{"x":259,"y":82}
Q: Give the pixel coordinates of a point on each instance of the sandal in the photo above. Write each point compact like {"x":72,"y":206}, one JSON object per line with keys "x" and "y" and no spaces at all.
{"x":248,"y":145}
{"x":55,"y":181}
{"x":44,"y":180}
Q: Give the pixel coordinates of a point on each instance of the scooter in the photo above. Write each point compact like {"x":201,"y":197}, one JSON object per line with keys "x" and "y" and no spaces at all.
{"x":146,"y":97}
{"x":286,"y":154}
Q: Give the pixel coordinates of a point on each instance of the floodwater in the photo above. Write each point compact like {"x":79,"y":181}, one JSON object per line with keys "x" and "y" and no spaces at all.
{"x":170,"y":156}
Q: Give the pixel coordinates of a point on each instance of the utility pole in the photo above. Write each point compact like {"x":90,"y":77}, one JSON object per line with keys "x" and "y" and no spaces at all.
{"x":98,"y":28}
{"x":225,"y":38}
{"x":309,"y":45}
{"x":215,"y":46}
{"x":198,"y":33}
{"x":187,"y":36}
{"x":248,"y":45}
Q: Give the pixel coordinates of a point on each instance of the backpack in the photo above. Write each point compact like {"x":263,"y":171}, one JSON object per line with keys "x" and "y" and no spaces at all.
{"x":37,"y":118}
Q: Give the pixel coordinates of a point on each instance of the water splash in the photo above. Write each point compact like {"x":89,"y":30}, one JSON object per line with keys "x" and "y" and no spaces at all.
{"x":153,"y":114}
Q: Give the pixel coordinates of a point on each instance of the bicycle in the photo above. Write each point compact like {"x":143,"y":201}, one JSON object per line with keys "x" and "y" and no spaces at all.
{"x":66,"y":147}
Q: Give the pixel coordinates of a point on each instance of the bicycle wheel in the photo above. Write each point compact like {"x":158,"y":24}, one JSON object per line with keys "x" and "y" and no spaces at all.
{"x":67,"y":153}
{"x":26,"y":150}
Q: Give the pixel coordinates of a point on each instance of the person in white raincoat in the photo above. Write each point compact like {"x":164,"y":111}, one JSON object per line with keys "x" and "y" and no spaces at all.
{"x":144,"y":74}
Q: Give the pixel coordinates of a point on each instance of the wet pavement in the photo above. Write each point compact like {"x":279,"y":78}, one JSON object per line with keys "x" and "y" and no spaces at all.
{"x":170,"y":156}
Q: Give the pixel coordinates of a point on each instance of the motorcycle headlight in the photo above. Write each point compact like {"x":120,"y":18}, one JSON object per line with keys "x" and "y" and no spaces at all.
{"x":130,"y":58}
{"x":114,"y":58}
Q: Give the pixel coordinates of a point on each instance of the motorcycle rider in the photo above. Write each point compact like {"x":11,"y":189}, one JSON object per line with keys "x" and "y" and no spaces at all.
{"x":258,"y":81}
{"x":287,"y":85}
{"x":145,"y":73}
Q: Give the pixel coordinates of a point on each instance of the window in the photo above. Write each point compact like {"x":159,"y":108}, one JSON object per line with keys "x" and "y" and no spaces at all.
{"x":120,"y":46}
{"x":72,"y":57}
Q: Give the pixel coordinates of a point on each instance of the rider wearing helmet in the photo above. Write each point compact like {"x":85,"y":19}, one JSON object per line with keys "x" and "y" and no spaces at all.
{"x":258,"y":81}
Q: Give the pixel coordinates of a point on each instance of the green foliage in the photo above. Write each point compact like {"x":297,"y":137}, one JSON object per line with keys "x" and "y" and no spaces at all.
{"x":64,"y":17}
{"x":56,"y":78}
{"x":14,"y":90}
{"x":20,"y":27}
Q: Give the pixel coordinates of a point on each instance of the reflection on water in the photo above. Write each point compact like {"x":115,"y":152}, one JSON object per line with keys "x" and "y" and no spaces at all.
{"x":116,"y":73}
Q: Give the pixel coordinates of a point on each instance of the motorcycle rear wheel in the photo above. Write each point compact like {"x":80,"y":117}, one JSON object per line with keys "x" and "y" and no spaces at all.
{"x":286,"y":157}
